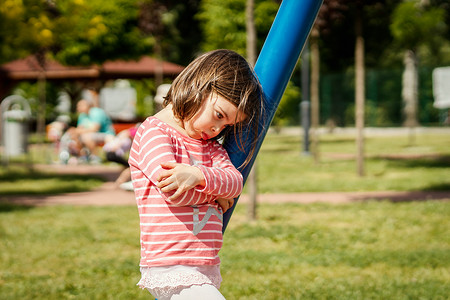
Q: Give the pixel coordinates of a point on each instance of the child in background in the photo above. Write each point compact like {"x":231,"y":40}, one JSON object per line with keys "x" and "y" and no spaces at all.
{"x":183,"y":178}
{"x":117,"y":150}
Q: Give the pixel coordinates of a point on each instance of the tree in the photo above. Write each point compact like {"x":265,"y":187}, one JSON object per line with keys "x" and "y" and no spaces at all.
{"x":105,"y":30}
{"x":330,"y":11}
{"x":172,"y":28}
{"x":36,"y":28}
{"x":223,"y":23}
{"x":360,"y":80}
{"x":251,"y":57}
{"x":412,"y":23}
{"x":151,"y":23}
{"x":360,"y":83}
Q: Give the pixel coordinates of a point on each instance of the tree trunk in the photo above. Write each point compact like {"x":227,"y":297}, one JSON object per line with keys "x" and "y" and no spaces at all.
{"x":159,"y":72}
{"x":359,"y":93}
{"x":40,"y":122}
{"x":410,"y":85}
{"x":315,"y":71}
{"x":251,"y":57}
{"x":251,"y":32}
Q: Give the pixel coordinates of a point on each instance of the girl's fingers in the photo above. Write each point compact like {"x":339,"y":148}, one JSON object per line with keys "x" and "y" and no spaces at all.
{"x":180,"y":189}
{"x":168,"y":187}
{"x":176,"y":194}
{"x":164,"y":174}
{"x":168,"y":165}
{"x":165,"y":180}
{"x":225,"y":204}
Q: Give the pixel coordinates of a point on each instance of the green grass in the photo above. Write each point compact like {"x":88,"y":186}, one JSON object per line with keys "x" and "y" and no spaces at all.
{"x":365,"y":250}
{"x":371,"y":250}
{"x":391,"y":164}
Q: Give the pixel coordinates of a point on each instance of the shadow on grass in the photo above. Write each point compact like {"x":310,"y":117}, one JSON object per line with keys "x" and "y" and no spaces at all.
{"x":29,"y":182}
{"x":15,"y":175}
{"x":9,"y":207}
{"x":410,"y":196}
{"x":445,"y":186}
{"x":417,"y":161}
{"x":284,"y":143}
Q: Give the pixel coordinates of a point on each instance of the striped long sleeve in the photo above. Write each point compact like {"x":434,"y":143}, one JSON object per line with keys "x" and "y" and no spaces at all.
{"x":187,"y":230}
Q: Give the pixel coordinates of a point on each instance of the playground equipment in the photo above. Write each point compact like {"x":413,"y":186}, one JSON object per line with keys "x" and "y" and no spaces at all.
{"x":274,"y":67}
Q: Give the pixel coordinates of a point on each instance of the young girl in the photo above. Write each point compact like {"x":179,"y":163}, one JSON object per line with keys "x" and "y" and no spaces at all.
{"x":183,"y":178}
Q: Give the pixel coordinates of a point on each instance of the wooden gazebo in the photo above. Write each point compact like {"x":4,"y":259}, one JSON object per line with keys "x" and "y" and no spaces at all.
{"x":29,"y":69}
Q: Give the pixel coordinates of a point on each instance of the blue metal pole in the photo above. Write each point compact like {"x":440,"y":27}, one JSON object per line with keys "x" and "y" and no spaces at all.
{"x":274,"y":67}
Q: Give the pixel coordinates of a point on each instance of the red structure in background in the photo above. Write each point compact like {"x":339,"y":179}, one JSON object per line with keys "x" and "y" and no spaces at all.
{"x":30,"y":69}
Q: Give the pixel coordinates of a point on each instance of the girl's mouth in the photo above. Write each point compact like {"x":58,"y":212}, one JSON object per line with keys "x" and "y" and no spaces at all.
{"x":205,"y":136}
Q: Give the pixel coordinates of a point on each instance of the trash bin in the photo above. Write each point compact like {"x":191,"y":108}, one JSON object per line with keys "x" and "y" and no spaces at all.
{"x":16,"y":115}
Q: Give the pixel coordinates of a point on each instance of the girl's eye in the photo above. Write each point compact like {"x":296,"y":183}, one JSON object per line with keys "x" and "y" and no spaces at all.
{"x":219,"y":115}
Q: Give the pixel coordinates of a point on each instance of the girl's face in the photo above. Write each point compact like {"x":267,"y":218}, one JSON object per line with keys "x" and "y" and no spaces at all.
{"x":214,"y":115}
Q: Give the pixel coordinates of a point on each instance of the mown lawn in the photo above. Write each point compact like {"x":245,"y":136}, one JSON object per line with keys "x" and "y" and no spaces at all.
{"x":391,"y":164}
{"x":371,"y":250}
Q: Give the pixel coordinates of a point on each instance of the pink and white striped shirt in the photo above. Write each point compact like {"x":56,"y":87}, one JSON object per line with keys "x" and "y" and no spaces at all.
{"x":188,"y":230}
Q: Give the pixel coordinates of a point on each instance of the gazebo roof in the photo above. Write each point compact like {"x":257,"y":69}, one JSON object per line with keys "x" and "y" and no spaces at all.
{"x":29,"y":69}
{"x":144,"y":67}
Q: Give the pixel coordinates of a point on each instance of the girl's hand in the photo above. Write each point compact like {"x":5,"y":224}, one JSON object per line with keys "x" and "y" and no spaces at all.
{"x":179,"y":178}
{"x":225,"y":204}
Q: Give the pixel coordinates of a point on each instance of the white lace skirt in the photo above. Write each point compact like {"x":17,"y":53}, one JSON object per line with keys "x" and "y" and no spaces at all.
{"x":163,"y":282}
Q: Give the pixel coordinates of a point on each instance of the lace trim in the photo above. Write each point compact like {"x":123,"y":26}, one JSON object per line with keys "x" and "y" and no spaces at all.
{"x":164,"y":285}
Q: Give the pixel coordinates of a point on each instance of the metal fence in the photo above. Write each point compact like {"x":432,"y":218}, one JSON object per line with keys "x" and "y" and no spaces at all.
{"x":384,"y":103}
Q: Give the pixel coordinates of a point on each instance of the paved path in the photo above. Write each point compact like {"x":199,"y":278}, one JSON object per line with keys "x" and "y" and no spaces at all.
{"x":109,"y":194}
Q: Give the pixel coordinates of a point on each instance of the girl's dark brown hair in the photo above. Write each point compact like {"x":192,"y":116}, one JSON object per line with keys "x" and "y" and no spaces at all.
{"x":228,"y":74}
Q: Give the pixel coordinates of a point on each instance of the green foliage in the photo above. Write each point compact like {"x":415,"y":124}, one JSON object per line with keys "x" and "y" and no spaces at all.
{"x":144,"y":105}
{"x":30,"y":92}
{"x":82,"y":32}
{"x":34,"y":26}
{"x":373,"y":114}
{"x":78,"y":32}
{"x":104,"y":30}
{"x":414,"y":25}
{"x":223,"y":23}
{"x":10,"y":30}
{"x":288,"y":109}
{"x":383,"y":98}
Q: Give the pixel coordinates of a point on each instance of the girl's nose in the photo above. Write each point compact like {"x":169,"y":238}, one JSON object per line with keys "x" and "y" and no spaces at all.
{"x":215,"y":130}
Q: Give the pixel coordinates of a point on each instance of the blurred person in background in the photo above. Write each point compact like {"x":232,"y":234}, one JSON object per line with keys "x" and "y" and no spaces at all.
{"x":117,"y":150}
{"x":94,"y":129}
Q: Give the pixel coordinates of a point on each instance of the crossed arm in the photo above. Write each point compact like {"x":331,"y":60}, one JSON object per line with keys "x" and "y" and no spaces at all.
{"x":183,"y":184}
{"x":181,"y":178}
